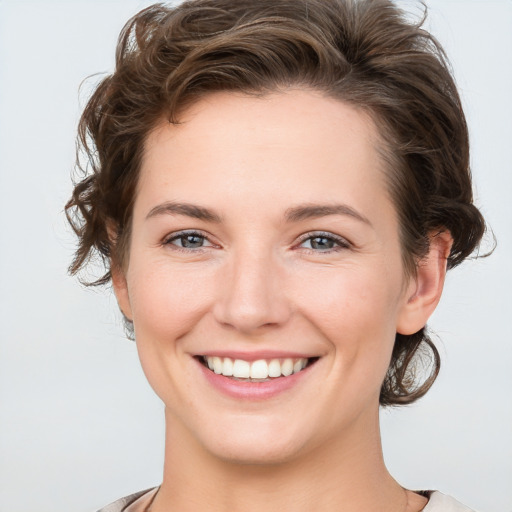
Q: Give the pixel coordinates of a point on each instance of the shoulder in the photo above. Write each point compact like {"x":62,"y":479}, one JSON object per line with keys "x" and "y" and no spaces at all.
{"x":439,"y":502}
{"x":122,"y":504}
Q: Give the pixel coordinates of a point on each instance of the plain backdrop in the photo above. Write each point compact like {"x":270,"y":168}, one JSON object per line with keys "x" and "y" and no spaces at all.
{"x":79,"y":425}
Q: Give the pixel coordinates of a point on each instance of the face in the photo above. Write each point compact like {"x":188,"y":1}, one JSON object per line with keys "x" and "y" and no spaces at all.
{"x":265,"y":276}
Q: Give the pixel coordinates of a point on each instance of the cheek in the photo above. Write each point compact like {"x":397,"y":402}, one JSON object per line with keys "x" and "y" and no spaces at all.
{"x":165,"y":300}
{"x":356,"y":313}
{"x":352,"y":300}
{"x":166,"y":303}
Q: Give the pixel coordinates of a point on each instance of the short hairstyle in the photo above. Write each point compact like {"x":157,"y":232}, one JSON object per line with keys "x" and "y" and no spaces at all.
{"x":365,"y":53}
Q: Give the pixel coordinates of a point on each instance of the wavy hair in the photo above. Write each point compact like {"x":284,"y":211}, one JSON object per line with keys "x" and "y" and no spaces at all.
{"x":365,"y":53}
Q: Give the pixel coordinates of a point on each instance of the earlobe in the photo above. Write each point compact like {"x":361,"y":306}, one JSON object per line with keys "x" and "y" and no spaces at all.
{"x":424,"y":290}
{"x":121,"y":290}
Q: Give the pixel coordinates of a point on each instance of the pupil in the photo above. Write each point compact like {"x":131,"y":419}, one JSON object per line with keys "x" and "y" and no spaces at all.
{"x":321,"y":242}
{"x":191,"y":241}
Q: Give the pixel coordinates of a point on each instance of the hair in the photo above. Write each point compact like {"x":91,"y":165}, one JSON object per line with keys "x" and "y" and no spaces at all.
{"x":365,"y":53}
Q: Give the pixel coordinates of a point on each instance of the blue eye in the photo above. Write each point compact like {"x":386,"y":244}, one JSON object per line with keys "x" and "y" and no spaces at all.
{"x":188,"y":240}
{"x":324,"y":242}
{"x":314,"y":242}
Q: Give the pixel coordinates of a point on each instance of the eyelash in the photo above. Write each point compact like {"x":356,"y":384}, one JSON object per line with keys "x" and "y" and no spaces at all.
{"x":342,"y":243}
{"x":184,"y":234}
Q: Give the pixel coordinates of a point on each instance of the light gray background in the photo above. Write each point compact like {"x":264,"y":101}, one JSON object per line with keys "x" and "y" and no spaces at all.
{"x":79,"y":425}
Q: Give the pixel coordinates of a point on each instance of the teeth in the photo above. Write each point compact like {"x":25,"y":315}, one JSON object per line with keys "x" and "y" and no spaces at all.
{"x":227,"y":367}
{"x":274,"y":368}
{"x":241,"y":369}
{"x":260,"y":369}
{"x":217,"y":365}
{"x":287,"y":367}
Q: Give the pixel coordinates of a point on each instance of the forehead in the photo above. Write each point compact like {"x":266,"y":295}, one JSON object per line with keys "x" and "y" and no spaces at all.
{"x":290,"y":146}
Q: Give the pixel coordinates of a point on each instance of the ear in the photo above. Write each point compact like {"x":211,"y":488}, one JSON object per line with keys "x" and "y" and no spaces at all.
{"x":425,"y":288}
{"x":121,"y":290}
{"x":118,"y":276}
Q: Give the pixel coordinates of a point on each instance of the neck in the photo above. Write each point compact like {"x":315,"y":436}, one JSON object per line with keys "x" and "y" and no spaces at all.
{"x":346,"y":474}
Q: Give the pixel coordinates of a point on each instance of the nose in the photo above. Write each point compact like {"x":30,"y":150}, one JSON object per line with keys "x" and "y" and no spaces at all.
{"x":251,"y":295}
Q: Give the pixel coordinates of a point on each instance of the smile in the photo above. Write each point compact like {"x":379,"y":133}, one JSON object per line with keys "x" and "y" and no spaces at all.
{"x":260,"y":370}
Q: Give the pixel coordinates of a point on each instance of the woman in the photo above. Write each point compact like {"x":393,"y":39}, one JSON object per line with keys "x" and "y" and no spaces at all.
{"x":277,"y":191}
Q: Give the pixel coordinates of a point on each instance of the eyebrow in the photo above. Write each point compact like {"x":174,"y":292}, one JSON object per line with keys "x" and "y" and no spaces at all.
{"x":294,"y":214}
{"x":190,"y":210}
{"x":313,"y":211}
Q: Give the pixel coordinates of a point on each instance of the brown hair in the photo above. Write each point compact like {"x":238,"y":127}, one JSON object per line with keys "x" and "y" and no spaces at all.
{"x":362,"y":52}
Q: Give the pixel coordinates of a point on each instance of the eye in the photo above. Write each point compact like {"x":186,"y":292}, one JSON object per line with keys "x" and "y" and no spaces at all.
{"x":323,"y":242}
{"x":188,"y":240}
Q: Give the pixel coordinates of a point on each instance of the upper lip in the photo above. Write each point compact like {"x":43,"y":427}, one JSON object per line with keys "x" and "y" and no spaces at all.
{"x":256,"y":354}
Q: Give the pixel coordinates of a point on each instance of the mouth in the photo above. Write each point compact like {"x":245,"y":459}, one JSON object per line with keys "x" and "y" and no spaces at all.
{"x":261,"y":370}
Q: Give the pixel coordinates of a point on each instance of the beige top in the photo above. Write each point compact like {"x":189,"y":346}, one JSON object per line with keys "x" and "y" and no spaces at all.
{"x":139,"y":502}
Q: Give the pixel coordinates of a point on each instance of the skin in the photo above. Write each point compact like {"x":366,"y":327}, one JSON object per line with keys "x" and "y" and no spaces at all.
{"x":260,"y":282}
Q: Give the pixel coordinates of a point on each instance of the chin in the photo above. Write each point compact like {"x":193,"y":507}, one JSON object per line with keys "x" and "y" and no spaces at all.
{"x":260,"y":443}
{"x":255,"y":453}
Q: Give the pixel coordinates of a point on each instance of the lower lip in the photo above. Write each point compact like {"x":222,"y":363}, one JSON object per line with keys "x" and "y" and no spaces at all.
{"x":252,"y":390}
